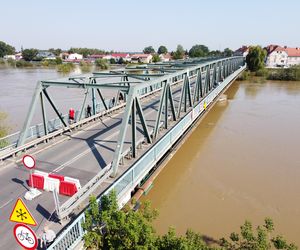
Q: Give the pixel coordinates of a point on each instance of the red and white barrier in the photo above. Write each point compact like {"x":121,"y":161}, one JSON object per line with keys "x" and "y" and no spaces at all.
{"x":52,"y":181}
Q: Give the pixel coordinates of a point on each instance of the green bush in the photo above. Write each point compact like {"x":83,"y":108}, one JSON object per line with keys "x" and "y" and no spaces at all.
{"x":288,"y":74}
{"x":101,"y":63}
{"x":22,"y":63}
{"x":2,"y":61}
{"x":85,"y":66}
{"x":65,"y":67}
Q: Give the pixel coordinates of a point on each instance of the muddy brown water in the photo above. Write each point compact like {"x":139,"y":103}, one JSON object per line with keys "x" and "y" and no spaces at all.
{"x":241,"y":162}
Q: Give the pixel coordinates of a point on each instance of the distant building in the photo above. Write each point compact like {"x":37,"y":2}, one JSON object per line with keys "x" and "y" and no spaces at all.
{"x":64,"y":55}
{"x":165,"y":57}
{"x":74,"y":57}
{"x":124,"y":56}
{"x":278,"y":56}
{"x":99,"y":56}
{"x":243,"y":51}
{"x":13,"y":57}
{"x":141,"y":58}
{"x":44,"y":54}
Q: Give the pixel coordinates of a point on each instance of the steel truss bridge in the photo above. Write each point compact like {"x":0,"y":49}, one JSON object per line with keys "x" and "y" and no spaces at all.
{"x":151,"y":108}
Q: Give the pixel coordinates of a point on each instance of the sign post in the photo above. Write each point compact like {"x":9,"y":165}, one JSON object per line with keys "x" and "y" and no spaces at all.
{"x":25,"y":236}
{"x":29,"y":162}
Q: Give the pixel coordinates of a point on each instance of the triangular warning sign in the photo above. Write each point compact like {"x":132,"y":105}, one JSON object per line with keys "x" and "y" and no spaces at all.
{"x":21,"y":214}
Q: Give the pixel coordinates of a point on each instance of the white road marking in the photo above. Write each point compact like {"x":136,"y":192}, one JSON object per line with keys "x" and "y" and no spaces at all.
{"x":6,"y":203}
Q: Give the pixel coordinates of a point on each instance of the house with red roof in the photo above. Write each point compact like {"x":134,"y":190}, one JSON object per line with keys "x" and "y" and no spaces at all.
{"x":141,"y":58}
{"x":242,"y":51}
{"x":118,"y":56}
{"x":278,"y":56}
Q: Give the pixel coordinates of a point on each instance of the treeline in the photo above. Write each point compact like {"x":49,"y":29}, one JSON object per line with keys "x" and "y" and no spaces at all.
{"x":197,"y":50}
{"x":107,"y":227}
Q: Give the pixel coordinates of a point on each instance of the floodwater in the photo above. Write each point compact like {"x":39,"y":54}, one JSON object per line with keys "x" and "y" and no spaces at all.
{"x":242,"y":162}
{"x":17,"y":86}
{"x":16,"y":90}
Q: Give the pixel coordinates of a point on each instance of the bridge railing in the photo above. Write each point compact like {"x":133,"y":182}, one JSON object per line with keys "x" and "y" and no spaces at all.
{"x":73,"y":234}
{"x":37,"y":131}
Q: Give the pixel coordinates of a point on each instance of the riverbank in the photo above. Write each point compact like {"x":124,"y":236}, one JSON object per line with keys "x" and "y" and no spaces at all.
{"x":278,"y":74}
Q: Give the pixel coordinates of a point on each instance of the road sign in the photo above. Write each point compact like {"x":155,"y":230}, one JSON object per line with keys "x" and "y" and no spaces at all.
{"x":28,"y":161}
{"x":25,"y":237}
{"x":21,"y":214}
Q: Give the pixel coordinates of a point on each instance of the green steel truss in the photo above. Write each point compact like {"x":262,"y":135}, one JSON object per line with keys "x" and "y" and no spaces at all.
{"x":196,"y":78}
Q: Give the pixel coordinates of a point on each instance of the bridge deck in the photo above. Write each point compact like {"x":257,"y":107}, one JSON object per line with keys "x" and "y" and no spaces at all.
{"x":80,"y":155}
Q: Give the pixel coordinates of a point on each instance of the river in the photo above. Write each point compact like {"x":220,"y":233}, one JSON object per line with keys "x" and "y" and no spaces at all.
{"x":241,"y":162}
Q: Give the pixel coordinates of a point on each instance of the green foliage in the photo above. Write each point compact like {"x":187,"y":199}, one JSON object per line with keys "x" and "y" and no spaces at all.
{"x":65,"y":67}
{"x":2,"y":61}
{"x":179,"y":53}
{"x":121,"y":60}
{"x":86,"y":51}
{"x":56,"y":52}
{"x":255,"y":58}
{"x":215,"y":53}
{"x":3,"y":129}
{"x":288,"y":74}
{"x":227,"y":52}
{"x":22,"y":63}
{"x":248,"y":239}
{"x":101,"y":63}
{"x":85,"y":66}
{"x":198,"y":51}
{"x":6,"y":49}
{"x":162,"y":50}
{"x":29,"y":54}
{"x":156,"y":58}
{"x":112,"y":61}
{"x":107,"y":227}
{"x":149,"y":50}
{"x":111,"y":228}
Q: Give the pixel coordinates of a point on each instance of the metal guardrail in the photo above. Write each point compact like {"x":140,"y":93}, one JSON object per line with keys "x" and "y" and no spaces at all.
{"x":73,"y":234}
{"x":37,"y":131}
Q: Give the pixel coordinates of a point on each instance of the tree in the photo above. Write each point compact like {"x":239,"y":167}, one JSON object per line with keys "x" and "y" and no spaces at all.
{"x":107,"y":227}
{"x":199,"y":51}
{"x":215,"y":53}
{"x":227,"y":52}
{"x":248,"y":239}
{"x":6,"y":49}
{"x":162,"y":50}
{"x":149,"y":50}
{"x":179,"y":53}
{"x":29,"y":54}
{"x":56,"y":52}
{"x":255,"y":58}
{"x":156,"y":58}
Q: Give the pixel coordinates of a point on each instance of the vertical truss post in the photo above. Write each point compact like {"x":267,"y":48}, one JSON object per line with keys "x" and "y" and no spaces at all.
{"x":207,"y":79}
{"x":143,"y":120}
{"x":166,"y":105}
{"x":170,"y":95}
{"x":183,"y":89}
{"x":123,"y":131}
{"x":161,"y":104}
{"x":94,"y":98}
{"x":133,"y":128}
{"x":54,"y":107}
{"x":23,"y":134}
{"x":83,"y":104}
{"x":45,"y":121}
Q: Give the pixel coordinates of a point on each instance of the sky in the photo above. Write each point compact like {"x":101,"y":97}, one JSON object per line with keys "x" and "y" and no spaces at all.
{"x":132,"y":25}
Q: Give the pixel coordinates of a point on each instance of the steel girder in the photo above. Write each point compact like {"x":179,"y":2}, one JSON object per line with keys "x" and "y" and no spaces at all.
{"x":193,"y":78}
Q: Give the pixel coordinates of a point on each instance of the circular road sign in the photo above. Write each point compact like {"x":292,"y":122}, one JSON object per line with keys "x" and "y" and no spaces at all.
{"x":28,"y":161}
{"x":25,"y":237}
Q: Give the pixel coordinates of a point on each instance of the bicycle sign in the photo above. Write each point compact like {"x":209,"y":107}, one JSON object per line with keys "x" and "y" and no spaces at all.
{"x":25,"y":237}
